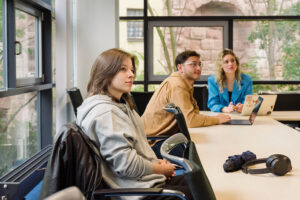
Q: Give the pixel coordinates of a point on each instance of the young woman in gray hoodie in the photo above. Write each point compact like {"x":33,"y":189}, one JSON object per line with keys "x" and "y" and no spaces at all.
{"x":108,"y":118}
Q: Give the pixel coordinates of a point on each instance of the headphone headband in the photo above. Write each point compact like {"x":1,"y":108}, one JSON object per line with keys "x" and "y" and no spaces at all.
{"x":255,"y":171}
{"x":277,"y":164}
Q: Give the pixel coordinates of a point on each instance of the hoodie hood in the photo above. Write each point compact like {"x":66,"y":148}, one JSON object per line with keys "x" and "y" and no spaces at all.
{"x":92,"y":101}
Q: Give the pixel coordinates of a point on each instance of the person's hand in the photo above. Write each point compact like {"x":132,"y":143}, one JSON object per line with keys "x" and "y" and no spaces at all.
{"x":238,"y":107}
{"x":164,"y":167}
{"x":223,"y":118}
{"x":229,"y":108}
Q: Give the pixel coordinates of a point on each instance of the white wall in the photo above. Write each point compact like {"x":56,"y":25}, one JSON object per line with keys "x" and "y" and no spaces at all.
{"x":97,"y":23}
{"x":84,"y":29}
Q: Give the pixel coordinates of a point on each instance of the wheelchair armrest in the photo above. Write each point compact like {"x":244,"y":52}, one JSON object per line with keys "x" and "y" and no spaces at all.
{"x":99,"y":194}
{"x":169,"y":144}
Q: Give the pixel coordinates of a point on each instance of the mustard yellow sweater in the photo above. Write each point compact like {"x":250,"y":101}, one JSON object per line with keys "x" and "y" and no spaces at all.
{"x":175,"y":89}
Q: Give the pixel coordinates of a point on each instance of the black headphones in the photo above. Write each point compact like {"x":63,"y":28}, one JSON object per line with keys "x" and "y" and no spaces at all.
{"x":277,"y":164}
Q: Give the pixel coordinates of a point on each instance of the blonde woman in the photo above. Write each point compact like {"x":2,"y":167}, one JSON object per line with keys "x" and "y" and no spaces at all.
{"x":229,"y":87}
{"x":108,"y":118}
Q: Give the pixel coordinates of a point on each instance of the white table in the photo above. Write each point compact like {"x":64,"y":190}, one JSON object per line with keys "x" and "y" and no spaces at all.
{"x":286,"y":115}
{"x":264,"y":138}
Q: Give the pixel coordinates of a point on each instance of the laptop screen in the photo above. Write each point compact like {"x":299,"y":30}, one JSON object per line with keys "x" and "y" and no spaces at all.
{"x":255,"y":110}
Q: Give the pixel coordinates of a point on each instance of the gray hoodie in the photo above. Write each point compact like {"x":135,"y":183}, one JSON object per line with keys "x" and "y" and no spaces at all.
{"x":119,"y":133}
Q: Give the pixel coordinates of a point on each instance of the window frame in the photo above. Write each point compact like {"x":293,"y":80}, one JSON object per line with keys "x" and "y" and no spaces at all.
{"x":38,"y":46}
{"x":147,"y":19}
{"x":176,"y":23}
{"x":13,"y":86}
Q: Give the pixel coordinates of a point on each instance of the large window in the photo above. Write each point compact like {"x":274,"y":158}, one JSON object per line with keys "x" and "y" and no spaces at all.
{"x":18,"y":124}
{"x":27,"y":45}
{"x":25,"y":81}
{"x":222,"y":8}
{"x":268,"y":49}
{"x":264,"y":34}
{"x":169,"y":38}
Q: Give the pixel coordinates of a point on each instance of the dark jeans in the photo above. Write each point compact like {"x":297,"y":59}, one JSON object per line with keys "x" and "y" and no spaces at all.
{"x":176,"y":183}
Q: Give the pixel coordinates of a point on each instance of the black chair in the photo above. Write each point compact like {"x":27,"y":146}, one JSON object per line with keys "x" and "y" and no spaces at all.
{"x":140,"y":100}
{"x":76,"y":98}
{"x":286,"y":101}
{"x":194,"y":174}
{"x":75,"y":161}
{"x":172,"y":108}
{"x":201,"y":96}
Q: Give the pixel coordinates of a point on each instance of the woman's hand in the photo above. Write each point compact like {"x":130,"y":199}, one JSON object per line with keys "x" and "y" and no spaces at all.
{"x":163,"y":167}
{"x":238,"y":107}
{"x":229,"y":108}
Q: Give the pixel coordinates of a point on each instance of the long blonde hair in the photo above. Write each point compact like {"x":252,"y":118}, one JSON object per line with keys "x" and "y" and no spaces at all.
{"x":105,"y":67}
{"x":220,"y":74}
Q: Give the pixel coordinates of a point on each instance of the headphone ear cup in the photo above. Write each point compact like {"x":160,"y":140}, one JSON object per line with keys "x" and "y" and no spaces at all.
{"x":279,"y":164}
{"x":270,"y":160}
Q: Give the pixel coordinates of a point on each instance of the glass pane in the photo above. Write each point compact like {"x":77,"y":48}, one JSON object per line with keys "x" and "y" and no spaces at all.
{"x":170,"y":41}
{"x":275,"y":88}
{"x":18,"y":135}
{"x":1,"y":49}
{"x":124,"y":5}
{"x":222,"y":8}
{"x":26,"y":41}
{"x":268,"y":50}
{"x":133,"y":46}
{"x":137,"y":88}
{"x":152,"y":87}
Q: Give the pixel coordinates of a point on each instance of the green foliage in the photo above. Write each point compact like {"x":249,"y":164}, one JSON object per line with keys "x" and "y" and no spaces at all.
{"x":9,"y":142}
{"x":20,"y":15}
{"x":30,"y":51}
{"x":260,"y":32}
{"x":161,"y":34}
{"x":138,"y":55}
{"x":293,"y":10}
{"x":291,"y":61}
{"x":20,"y":33}
{"x":7,"y":151}
{"x":138,"y":88}
{"x":139,"y":76}
{"x":285,"y":33}
{"x":250,"y":68}
{"x":9,"y":145}
{"x":32,"y":140}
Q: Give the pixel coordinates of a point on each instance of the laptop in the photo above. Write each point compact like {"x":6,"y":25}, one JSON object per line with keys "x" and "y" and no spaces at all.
{"x":266,"y":107}
{"x":251,"y":119}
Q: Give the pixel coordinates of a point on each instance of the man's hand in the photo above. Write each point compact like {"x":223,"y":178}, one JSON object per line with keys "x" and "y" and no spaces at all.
{"x":223,"y":118}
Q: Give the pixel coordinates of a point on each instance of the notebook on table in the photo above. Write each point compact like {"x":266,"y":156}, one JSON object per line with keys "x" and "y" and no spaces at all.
{"x":266,"y":107}
{"x":252,"y":116}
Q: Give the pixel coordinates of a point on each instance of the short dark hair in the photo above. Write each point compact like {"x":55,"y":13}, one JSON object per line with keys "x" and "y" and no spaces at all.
{"x":182,"y":57}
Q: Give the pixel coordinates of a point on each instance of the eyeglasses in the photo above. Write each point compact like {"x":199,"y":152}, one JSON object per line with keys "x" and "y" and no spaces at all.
{"x":194,"y":64}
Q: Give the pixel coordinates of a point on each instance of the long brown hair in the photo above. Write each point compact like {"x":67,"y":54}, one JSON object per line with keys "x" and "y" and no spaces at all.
{"x":105,"y":67}
{"x":220,"y":74}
